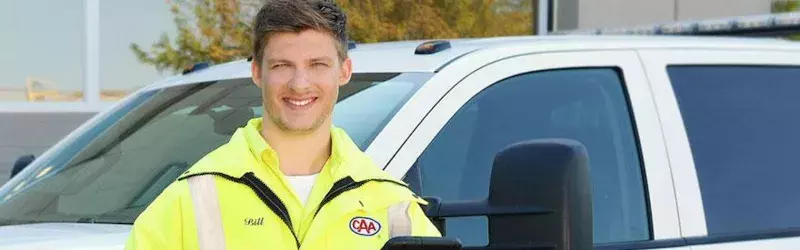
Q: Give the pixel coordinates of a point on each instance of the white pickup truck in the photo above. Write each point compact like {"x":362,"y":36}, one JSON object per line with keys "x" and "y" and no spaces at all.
{"x":688,"y":143}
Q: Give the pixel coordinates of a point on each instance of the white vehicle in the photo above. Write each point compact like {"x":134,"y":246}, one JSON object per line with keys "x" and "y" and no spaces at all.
{"x":691,"y":142}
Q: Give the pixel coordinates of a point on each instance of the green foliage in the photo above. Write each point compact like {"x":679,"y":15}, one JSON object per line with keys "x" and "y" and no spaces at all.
{"x":218,"y":30}
{"x":781,"y":6}
{"x":392,"y":20}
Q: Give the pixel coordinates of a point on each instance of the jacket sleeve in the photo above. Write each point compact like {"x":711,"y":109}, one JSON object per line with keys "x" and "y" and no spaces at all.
{"x":421,"y":225}
{"x":160,"y":225}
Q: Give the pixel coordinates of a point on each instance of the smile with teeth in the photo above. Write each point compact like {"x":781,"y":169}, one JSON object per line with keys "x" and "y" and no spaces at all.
{"x":300,"y":102}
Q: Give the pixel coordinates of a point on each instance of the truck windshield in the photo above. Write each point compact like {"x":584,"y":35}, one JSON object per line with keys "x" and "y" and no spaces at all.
{"x":111,"y":171}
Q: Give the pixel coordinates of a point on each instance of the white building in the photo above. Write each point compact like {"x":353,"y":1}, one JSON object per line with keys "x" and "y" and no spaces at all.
{"x":584,"y":14}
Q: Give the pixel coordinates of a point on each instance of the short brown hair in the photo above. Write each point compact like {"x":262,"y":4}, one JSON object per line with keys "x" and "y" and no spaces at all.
{"x":297,"y":16}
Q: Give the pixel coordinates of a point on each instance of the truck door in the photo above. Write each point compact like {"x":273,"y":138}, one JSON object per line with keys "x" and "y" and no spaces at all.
{"x":599,"y":98}
{"x":730,"y":116}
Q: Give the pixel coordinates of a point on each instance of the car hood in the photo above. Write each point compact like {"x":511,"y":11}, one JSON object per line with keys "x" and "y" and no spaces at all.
{"x":64,"y":236}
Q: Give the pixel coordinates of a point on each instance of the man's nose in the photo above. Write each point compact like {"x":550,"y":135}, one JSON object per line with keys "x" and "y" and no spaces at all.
{"x":301,"y":80}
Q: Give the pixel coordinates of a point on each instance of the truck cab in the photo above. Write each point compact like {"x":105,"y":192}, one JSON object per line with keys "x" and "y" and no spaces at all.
{"x":685,"y":142}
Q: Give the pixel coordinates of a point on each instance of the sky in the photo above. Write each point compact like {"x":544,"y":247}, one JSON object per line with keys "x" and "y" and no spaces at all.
{"x":45,"y":39}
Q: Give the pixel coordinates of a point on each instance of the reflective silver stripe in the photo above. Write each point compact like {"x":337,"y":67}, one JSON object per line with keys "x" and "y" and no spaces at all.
{"x":399,"y":220}
{"x":210,"y":234}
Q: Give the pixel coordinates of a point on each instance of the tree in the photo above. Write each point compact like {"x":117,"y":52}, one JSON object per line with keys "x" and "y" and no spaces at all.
{"x":218,"y":30}
{"x":782,"y":6}
{"x":391,"y":20}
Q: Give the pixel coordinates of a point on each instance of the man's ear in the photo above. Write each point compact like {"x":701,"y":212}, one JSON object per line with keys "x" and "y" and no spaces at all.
{"x":255,"y":72}
{"x":347,"y":71}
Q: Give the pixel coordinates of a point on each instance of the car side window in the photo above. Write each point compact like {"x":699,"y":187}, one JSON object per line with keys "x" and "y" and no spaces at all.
{"x":584,"y":104}
{"x":742,"y":124}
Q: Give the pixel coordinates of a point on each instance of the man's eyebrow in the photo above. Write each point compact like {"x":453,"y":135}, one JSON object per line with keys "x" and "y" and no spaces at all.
{"x":274,"y":61}
{"x":322,"y":58}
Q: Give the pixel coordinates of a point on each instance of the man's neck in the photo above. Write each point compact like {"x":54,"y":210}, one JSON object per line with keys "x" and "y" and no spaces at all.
{"x":299,"y":154}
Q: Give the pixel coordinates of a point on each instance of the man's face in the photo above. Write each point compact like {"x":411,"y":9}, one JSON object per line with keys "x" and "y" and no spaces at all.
{"x":300,"y":76}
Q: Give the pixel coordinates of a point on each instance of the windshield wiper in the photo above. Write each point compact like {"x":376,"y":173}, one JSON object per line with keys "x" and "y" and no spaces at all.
{"x":121,"y":216}
{"x":97,"y":220}
{"x":8,"y":222}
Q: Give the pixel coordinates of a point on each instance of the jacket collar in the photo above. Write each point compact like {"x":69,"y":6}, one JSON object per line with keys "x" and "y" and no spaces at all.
{"x":247,"y":150}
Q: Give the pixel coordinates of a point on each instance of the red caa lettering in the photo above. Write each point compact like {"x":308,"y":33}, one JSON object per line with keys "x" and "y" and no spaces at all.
{"x":364,"y":226}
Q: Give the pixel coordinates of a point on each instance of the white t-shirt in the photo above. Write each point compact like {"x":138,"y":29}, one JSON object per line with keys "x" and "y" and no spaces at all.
{"x":302,"y":185}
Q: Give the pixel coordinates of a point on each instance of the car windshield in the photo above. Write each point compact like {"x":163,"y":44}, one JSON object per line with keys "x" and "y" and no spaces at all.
{"x":112,"y":170}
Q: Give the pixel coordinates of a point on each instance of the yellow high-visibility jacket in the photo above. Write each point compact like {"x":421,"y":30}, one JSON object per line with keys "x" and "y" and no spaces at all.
{"x":353,"y":204}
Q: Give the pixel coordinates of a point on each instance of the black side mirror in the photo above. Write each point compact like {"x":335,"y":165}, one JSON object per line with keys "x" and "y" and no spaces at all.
{"x":21,"y":163}
{"x":421,"y":243}
{"x":540,"y":197}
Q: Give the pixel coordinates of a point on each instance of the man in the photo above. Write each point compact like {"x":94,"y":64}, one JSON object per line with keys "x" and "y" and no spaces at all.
{"x":291,"y":180}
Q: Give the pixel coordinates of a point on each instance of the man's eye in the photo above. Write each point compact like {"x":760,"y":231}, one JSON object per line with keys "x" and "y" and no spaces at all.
{"x":278,"y":66}
{"x":320,"y":65}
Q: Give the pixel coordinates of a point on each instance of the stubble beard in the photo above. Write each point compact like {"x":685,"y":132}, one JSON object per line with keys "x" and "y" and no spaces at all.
{"x":318,"y":122}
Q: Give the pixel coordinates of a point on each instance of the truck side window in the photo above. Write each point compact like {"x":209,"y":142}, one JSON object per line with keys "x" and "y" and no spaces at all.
{"x":743,"y":126}
{"x":586,"y":104}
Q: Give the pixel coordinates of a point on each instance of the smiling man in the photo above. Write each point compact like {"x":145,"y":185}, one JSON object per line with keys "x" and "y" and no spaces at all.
{"x":291,"y":180}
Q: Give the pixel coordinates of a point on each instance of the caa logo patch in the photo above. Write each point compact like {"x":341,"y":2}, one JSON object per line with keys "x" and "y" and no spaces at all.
{"x":364,"y":226}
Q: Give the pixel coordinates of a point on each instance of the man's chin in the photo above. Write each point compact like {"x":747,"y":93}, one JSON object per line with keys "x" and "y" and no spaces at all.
{"x":297,"y":126}
{"x":299,"y":129}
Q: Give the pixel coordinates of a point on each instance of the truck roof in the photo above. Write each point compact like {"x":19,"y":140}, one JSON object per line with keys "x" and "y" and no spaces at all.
{"x":400,"y":56}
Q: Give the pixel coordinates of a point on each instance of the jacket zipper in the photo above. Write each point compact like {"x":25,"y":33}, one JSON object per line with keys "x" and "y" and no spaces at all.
{"x":272,"y":201}
{"x":265,"y":194}
{"x":344,"y":185}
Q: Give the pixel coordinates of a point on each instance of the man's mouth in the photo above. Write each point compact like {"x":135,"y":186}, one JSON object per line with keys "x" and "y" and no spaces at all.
{"x":299,"y":103}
